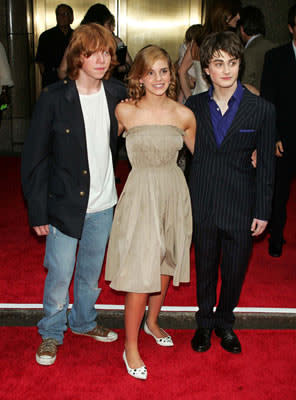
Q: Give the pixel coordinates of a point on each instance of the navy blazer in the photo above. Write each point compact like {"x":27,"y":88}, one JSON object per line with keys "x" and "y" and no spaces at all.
{"x":55,"y":170}
{"x":223,"y":182}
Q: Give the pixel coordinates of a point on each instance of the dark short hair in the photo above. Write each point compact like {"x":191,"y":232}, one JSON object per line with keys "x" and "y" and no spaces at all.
{"x":97,"y":13}
{"x":220,"y":41}
{"x":252,"y":20}
{"x":63,"y":5}
{"x":292,"y":15}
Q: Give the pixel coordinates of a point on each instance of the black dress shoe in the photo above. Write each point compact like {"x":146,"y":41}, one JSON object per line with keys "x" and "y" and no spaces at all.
{"x":201,"y":340}
{"x":229,"y":340}
{"x":275,"y":248}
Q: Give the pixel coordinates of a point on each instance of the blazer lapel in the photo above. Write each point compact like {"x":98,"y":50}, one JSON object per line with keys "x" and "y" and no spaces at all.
{"x":243,"y":114}
{"x":291,"y":62}
{"x":112,"y":102}
{"x":255,"y":41}
{"x":75,"y":112}
{"x":206,"y":116}
{"x":76,"y":116}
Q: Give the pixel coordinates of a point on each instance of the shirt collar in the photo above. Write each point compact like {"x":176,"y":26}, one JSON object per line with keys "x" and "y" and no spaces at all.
{"x":237,"y":95}
{"x":251,"y":40}
{"x":211,"y":89}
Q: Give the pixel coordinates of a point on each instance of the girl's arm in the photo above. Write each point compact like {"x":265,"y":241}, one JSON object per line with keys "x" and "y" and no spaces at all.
{"x":182,"y":72}
{"x":119,"y":113}
{"x":189,"y":129}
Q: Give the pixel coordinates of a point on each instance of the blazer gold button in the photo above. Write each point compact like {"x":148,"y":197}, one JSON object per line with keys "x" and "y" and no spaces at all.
{"x":84,"y":172}
{"x":82,"y":194}
{"x":65,"y":82}
{"x":67,"y":130}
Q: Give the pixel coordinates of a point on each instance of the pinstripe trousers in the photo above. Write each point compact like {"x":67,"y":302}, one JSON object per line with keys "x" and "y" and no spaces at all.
{"x":229,"y":249}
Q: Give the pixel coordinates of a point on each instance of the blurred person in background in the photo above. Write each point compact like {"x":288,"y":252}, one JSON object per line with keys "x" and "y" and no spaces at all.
{"x":186,"y":69}
{"x":53,"y":43}
{"x":100,"y":14}
{"x":222,"y":16}
{"x":278,"y":85}
{"x":252,"y":31}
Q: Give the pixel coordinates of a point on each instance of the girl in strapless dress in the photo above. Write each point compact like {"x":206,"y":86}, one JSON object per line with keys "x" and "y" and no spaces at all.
{"x":151,"y":233}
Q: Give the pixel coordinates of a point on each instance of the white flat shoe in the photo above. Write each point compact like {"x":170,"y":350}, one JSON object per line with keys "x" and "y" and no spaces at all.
{"x":163,"y":341}
{"x":139,"y":373}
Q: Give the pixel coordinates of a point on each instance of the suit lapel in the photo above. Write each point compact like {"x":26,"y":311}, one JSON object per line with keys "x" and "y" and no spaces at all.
{"x":243,"y":114}
{"x":75,"y":112}
{"x":291,"y":62}
{"x":112,"y":102}
{"x":206,"y":116}
{"x":255,"y":41}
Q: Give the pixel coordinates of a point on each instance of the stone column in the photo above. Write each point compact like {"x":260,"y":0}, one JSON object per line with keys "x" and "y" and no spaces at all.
{"x":21,"y":56}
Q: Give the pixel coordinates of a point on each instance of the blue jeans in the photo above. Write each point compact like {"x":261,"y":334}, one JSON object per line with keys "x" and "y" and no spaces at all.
{"x":60,"y":255}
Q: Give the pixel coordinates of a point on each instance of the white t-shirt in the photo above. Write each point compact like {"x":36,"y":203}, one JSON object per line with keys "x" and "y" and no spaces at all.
{"x":102,"y":194}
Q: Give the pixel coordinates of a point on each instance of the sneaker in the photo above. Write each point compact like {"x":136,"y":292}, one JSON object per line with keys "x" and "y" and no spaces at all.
{"x":47,"y":352}
{"x":101,"y":334}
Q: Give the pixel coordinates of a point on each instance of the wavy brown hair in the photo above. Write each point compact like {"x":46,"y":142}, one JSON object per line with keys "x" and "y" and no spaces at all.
{"x":86,"y":40}
{"x":142,"y":64}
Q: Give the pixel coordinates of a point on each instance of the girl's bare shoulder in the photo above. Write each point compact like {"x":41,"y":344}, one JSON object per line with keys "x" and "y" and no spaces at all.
{"x":183,"y":112}
{"x":125,"y":107}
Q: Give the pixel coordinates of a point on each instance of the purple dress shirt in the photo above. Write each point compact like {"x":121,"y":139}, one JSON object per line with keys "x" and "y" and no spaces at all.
{"x":221,"y":123}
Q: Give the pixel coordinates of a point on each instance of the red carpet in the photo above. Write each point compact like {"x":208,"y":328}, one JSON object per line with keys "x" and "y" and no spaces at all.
{"x":86,"y":369}
{"x":270,"y":282}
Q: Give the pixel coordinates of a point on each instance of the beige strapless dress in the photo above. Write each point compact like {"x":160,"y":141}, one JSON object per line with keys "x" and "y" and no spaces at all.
{"x":152,"y":227}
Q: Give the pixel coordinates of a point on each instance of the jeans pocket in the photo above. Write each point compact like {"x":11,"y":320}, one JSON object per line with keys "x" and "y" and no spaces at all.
{"x":53,"y":230}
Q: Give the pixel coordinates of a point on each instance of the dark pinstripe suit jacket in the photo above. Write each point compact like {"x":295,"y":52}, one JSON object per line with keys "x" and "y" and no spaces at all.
{"x":223,"y":182}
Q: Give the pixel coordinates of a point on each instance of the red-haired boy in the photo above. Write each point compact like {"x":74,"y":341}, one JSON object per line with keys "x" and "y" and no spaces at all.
{"x":68,"y":182}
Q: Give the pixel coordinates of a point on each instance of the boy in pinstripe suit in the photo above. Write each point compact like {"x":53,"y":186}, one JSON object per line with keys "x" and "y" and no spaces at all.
{"x":231,"y":200}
